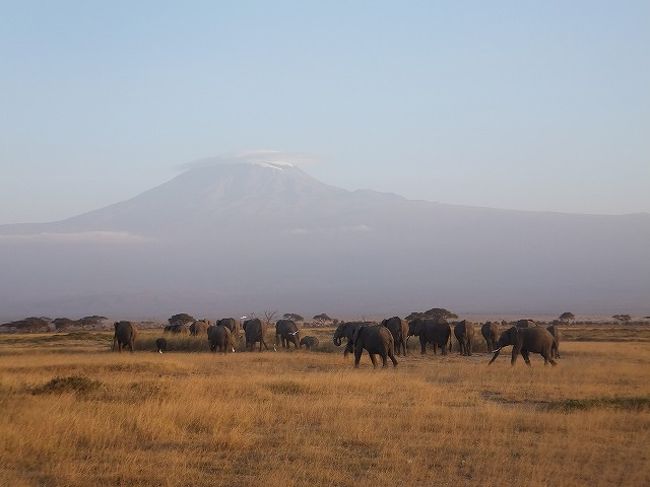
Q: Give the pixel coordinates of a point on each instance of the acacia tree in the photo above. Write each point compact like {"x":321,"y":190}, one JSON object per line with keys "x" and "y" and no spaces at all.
{"x":440,"y":313}
{"x":433,"y":313}
{"x":322,"y":319}
{"x":181,"y":319}
{"x":567,"y":317}
{"x":293,"y":317}
{"x":269,"y":316}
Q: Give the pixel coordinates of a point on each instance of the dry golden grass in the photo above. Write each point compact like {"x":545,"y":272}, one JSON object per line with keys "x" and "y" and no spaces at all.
{"x":299,"y":418}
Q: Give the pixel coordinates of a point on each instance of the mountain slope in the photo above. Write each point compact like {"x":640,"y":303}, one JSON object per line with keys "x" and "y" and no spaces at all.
{"x":231,"y":238}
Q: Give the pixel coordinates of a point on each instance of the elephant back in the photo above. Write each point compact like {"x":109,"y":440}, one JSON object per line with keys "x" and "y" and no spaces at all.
{"x":253,"y":329}
{"x":229,"y":323}
{"x":125,"y":331}
{"x":285,"y":327}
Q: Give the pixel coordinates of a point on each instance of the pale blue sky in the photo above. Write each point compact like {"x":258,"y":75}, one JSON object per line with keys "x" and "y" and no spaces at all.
{"x":526,"y":105}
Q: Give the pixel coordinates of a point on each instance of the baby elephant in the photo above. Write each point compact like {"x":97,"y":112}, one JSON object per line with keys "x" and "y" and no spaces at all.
{"x":161,"y":345}
{"x":310,"y":343}
{"x":220,"y":337}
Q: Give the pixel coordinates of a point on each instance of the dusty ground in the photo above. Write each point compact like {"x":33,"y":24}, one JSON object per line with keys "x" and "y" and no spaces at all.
{"x":298,"y":418}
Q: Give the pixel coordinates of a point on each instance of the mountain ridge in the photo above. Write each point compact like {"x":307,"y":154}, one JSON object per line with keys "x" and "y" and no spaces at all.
{"x":233,"y":236}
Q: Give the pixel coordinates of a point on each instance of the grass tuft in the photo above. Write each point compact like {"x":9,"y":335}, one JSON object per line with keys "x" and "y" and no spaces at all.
{"x":627,"y":403}
{"x":73,"y":383}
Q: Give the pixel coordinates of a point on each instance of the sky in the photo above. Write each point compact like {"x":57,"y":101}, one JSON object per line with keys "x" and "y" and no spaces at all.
{"x":526,"y":105}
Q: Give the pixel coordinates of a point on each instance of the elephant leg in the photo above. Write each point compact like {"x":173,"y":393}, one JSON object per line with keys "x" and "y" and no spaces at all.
{"x":526,"y":355}
{"x":469,"y":348}
{"x":549,"y":358}
{"x":515,"y":354}
{"x":391,"y":355}
{"x":496,"y":354}
{"x":357,"y":357}
{"x":384,"y":359}
{"x":373,"y":360}
{"x":423,"y":346}
{"x":349,"y":348}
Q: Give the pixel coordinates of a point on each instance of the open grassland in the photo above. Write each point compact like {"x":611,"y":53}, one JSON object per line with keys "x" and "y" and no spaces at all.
{"x":74,"y":414}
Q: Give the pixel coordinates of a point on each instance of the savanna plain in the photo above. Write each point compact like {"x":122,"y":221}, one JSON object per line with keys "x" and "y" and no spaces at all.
{"x":72,"y":413}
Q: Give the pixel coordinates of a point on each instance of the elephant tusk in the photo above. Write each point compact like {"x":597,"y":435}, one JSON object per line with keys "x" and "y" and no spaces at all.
{"x":497,"y":350}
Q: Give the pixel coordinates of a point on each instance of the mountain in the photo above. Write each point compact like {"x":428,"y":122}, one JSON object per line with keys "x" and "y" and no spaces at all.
{"x":228,"y":238}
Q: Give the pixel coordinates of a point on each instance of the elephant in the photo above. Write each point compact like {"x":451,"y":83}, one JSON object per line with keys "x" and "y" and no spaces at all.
{"x":231,"y":324}
{"x":524,"y":341}
{"x":399,"y":329}
{"x":527,"y":323}
{"x":177,"y":329}
{"x":490,"y":332}
{"x":464,"y":332}
{"x":286,"y":331}
{"x":436,"y":332}
{"x":200,"y":327}
{"x":375,"y":339}
{"x":161,"y":345}
{"x":220,"y":337}
{"x":557,"y":335}
{"x":124,"y":336}
{"x":309,"y":342}
{"x":255,"y":330}
{"x":347,"y":330}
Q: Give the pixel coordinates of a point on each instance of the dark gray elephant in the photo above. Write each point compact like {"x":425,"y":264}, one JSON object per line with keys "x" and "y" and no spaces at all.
{"x":254,"y":330}
{"x":347,"y":330}
{"x":286,"y":331}
{"x":435,"y":332}
{"x":310,"y":343}
{"x":464,"y":333}
{"x":124,"y":336}
{"x":221,"y":339}
{"x":400,"y":330}
{"x":161,"y":345}
{"x":525,"y":341}
{"x":200,"y":327}
{"x":527,"y":323}
{"x":375,"y":339}
{"x":231,"y":324}
{"x":557,"y":336}
{"x":490,"y":332}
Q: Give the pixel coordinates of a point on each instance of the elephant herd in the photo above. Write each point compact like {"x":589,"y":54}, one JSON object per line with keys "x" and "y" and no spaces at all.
{"x":386,"y":339}
{"x":390,"y":337}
